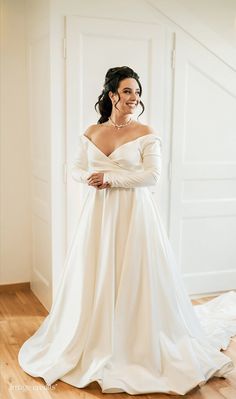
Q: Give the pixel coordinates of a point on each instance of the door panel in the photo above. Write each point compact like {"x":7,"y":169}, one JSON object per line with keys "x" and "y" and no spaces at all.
{"x":93,"y":46}
{"x":203,"y":185}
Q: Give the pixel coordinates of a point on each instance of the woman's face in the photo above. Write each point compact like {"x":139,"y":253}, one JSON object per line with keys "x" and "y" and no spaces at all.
{"x":129,"y":92}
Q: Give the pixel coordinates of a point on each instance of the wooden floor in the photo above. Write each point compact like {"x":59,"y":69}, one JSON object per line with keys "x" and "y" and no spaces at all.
{"x":21,"y":314}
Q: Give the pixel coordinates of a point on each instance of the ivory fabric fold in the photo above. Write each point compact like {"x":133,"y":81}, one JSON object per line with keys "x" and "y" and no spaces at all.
{"x":121,"y":314}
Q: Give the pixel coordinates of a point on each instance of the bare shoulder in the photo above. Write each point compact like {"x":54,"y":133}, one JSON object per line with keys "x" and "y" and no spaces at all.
{"x":146,"y":129}
{"x":91,"y":129}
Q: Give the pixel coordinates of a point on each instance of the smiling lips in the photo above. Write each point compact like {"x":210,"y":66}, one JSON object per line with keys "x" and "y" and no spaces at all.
{"x":132,"y":104}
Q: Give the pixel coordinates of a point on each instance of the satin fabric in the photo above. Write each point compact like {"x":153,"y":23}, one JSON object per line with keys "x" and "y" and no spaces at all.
{"x":121,"y":314}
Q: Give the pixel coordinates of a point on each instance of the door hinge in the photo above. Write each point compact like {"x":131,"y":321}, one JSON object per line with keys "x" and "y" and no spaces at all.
{"x":64,"y":47}
{"x":65,"y":173}
{"x":170,"y":170}
{"x":173,"y":59}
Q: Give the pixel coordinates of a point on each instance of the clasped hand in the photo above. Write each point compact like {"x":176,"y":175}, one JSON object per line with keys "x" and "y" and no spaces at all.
{"x":96,"y":180}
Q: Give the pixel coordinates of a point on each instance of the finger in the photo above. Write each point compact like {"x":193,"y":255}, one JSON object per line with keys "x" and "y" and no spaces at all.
{"x":103,"y":186}
{"x":93,"y":180}
{"x":95,"y":184}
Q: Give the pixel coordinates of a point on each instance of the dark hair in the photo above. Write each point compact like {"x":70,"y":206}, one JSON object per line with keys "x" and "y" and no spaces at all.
{"x":112,"y":80}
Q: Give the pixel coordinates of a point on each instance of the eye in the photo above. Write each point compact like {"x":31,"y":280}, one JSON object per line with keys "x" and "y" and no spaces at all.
{"x":129,"y":91}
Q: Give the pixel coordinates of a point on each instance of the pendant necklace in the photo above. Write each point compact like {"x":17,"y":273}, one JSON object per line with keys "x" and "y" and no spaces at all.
{"x":119,"y":126}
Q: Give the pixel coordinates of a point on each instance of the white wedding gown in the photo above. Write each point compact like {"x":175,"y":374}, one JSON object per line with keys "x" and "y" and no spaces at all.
{"x":121,"y":314}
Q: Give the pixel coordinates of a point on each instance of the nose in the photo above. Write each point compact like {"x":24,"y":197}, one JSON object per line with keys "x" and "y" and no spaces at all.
{"x":134,"y":96}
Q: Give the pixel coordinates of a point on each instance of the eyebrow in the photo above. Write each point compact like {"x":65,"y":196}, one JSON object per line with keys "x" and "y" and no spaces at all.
{"x":129,"y":88}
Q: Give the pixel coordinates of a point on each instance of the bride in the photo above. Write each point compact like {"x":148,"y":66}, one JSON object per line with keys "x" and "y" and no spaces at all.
{"x":121,"y":314}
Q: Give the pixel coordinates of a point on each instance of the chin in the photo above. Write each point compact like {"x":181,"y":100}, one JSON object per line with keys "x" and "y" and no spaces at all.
{"x":130,"y":112}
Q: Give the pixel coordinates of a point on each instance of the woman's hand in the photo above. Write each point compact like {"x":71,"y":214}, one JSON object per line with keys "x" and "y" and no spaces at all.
{"x":105,"y":185}
{"x":96,"y":180}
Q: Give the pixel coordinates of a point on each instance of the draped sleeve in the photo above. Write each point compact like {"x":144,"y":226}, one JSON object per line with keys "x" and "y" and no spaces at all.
{"x":151,"y":161}
{"x":79,"y":166}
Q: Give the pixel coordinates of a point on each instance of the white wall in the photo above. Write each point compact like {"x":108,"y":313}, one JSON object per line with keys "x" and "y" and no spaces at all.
{"x":26,"y":146}
{"x":218,"y":15}
{"x":38,"y":61}
{"x":203,"y":22}
{"x":15,"y":227}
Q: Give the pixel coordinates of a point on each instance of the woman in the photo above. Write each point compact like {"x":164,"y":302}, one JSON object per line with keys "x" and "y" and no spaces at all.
{"x":121,"y":315}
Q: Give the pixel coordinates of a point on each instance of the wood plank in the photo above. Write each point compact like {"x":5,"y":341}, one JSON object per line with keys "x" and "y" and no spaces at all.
{"x":21,"y":314}
{"x":15,"y":287}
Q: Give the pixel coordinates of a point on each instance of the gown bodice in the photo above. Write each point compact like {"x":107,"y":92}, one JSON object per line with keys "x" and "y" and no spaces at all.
{"x":133,"y":164}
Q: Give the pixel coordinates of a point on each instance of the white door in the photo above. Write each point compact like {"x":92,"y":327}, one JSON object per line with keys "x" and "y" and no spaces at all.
{"x":39,"y":105}
{"x":203,"y":185}
{"x":93,"y":46}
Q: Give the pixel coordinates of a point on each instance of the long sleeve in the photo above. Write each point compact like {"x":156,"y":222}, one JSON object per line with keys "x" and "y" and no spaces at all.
{"x":79,"y":167}
{"x":149,"y":176}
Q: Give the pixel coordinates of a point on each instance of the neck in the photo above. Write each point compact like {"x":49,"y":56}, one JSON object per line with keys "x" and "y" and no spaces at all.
{"x":120,"y":119}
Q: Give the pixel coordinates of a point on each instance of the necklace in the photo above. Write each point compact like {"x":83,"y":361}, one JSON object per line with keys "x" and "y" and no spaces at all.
{"x":119,"y":126}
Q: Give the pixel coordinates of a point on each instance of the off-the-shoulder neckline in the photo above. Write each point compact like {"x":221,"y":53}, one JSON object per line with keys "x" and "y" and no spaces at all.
{"x":117,"y":148}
